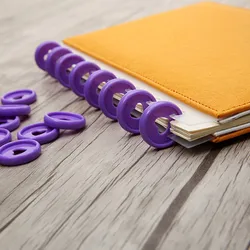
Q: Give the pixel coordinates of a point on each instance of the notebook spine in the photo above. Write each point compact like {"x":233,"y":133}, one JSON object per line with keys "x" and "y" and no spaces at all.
{"x":98,"y":87}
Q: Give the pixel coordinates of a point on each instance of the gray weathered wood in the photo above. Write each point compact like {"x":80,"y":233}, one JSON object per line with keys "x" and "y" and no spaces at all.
{"x":102,"y":188}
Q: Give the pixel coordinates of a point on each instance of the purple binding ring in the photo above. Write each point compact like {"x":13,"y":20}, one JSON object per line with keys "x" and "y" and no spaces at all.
{"x":39,"y":132}
{"x":91,"y":86}
{"x":62,"y":66}
{"x":42,"y":50}
{"x":19,"y":152}
{"x":75,"y":77}
{"x":9,"y":123}
{"x":22,"y":96}
{"x":53,"y":57}
{"x":149,"y":130}
{"x":65,"y":120}
{"x":127,"y":104}
{"x":106,"y":96}
{"x":5,"y":136}
{"x":14,"y":110}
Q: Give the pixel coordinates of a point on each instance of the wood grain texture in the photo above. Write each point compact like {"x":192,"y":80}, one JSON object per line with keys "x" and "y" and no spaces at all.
{"x":102,"y":188}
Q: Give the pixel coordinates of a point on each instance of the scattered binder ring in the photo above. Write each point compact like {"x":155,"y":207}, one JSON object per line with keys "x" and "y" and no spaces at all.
{"x":14,"y":110}
{"x":19,"y":152}
{"x":39,"y":132}
{"x":21,"y":96}
{"x":10,"y":123}
{"x":76,"y":80}
{"x":127,"y":104}
{"x":42,"y":50}
{"x":53,"y":57}
{"x":106,"y":96}
{"x":91,"y":86}
{"x":62,"y":66}
{"x":5,"y":136}
{"x":65,"y":120}
{"x":149,"y":130}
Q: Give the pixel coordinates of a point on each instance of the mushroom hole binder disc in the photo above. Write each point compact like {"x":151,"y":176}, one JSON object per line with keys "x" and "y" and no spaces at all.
{"x":181,"y":75}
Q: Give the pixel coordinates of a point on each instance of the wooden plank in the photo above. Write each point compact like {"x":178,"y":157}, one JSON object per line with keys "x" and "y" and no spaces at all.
{"x":110,"y":198}
{"x":217,"y":214}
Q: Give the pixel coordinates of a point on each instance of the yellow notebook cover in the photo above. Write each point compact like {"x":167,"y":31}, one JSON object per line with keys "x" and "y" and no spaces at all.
{"x":199,"y":54}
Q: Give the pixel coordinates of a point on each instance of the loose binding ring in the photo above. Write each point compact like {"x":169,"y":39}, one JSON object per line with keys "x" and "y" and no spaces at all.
{"x":99,"y":87}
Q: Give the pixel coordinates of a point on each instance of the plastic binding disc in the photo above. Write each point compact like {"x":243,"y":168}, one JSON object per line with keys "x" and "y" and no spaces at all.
{"x":5,"y":136}
{"x":106,"y":96}
{"x":10,"y":123}
{"x":42,"y":50}
{"x":149,"y":130}
{"x":53,"y":57}
{"x":127,"y":104}
{"x":39,"y":132}
{"x":91,"y":86}
{"x":65,"y":120}
{"x":76,"y":76}
{"x":19,"y":152}
{"x":14,"y":110}
{"x":63,"y":65}
{"x":21,"y":96}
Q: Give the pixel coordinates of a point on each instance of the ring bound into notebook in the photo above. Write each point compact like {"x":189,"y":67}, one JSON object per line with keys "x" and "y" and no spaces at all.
{"x":91,"y":90}
{"x":52,"y":58}
{"x":63,"y":65}
{"x":126,"y":106}
{"x":148,"y":129}
{"x":42,"y":52}
{"x":107,"y":102}
{"x":79,"y":75}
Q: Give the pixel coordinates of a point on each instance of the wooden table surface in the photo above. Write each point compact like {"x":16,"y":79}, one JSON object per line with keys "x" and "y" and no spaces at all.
{"x":102,"y":188}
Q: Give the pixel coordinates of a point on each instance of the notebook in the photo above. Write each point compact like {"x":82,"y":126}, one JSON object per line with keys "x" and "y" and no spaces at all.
{"x":196,"y":57}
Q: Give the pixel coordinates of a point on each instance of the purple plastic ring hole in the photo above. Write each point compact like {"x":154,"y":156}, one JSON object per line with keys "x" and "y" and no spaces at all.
{"x":22,"y":96}
{"x":19,"y":152}
{"x":39,"y":132}
{"x":127,"y":105}
{"x":149,"y":130}
{"x":106,"y":96}
{"x":91,"y":89}
{"x":9,"y":123}
{"x":75,"y":77}
{"x":63,"y":65}
{"x":65,"y":120}
{"x":53,"y":57}
{"x":42,"y":50}
{"x":5,"y":136}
